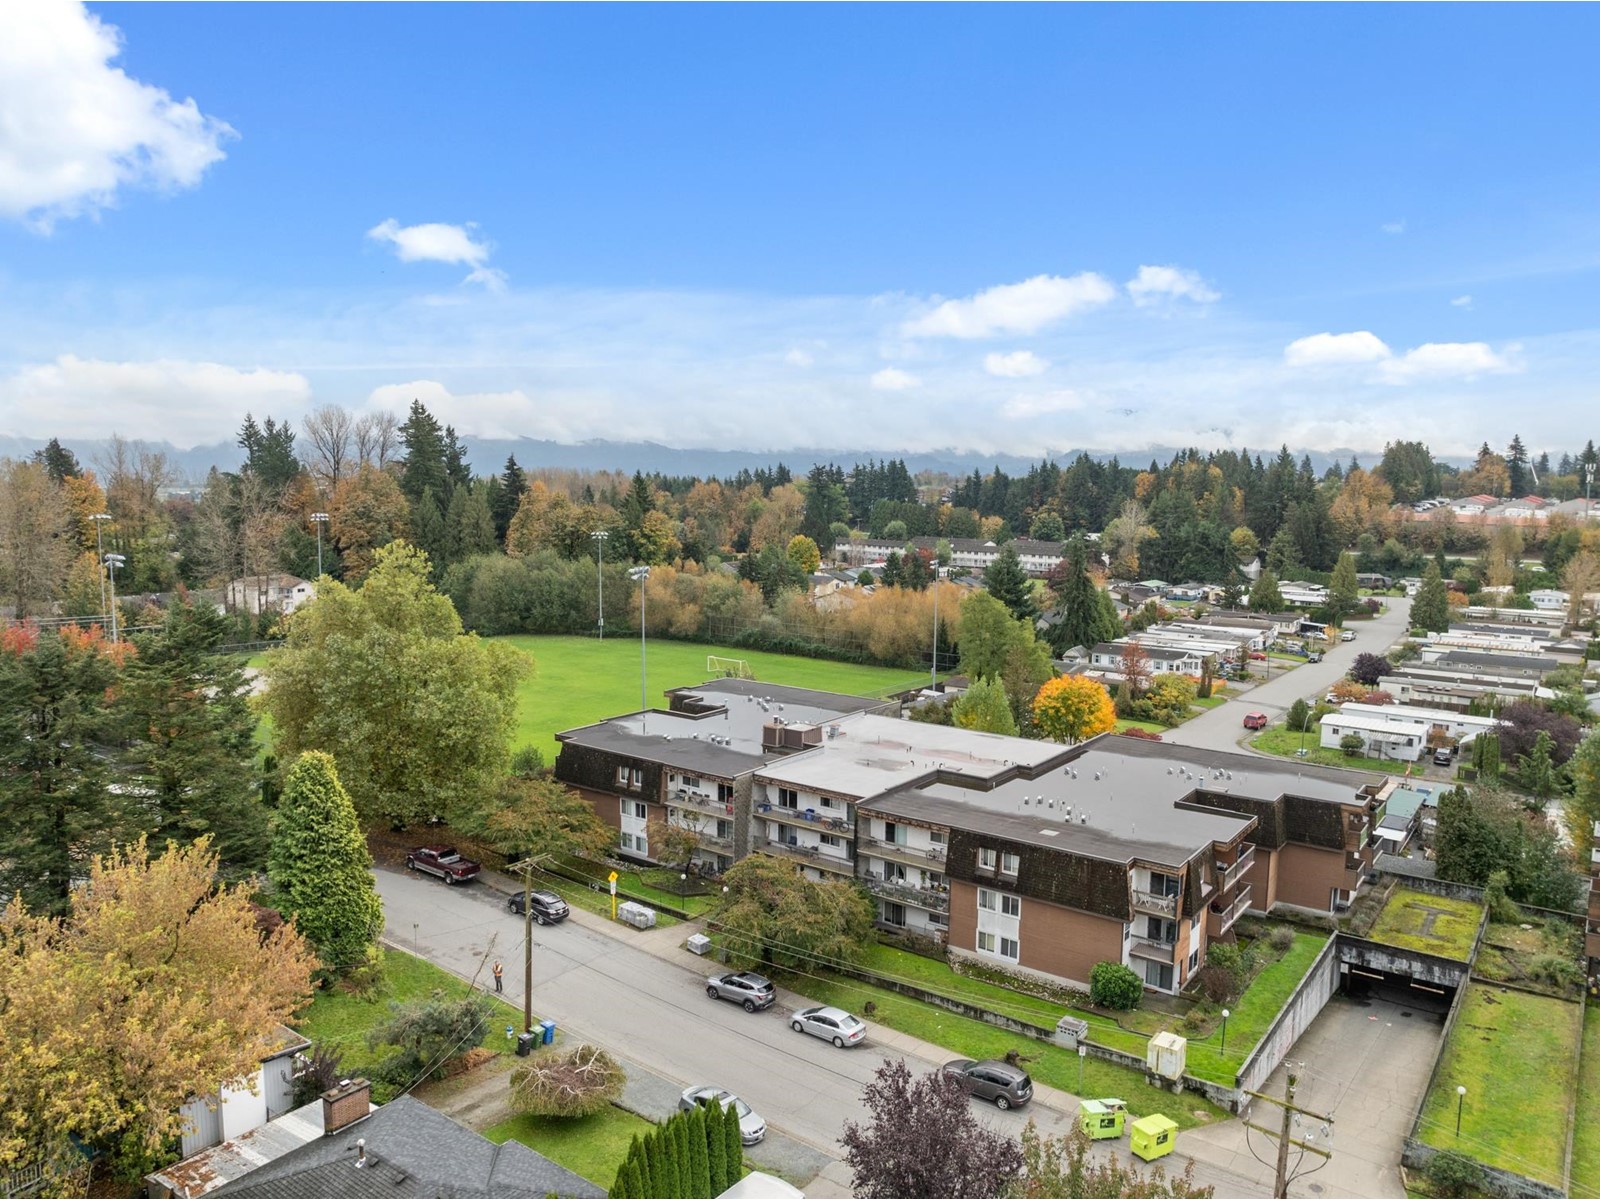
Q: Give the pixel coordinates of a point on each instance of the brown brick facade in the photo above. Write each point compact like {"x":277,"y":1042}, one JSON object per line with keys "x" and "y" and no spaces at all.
{"x":1053,"y":940}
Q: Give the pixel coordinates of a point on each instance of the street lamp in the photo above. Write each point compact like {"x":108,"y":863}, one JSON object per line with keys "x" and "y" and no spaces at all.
{"x":319,"y":519}
{"x":933,"y":682}
{"x":600,"y":536}
{"x":683,"y":885}
{"x":1461,"y":1098}
{"x":100,"y":553}
{"x":113,"y":561}
{"x":639,"y":575}
{"x":1225,"y":1016}
{"x":1083,"y":1053}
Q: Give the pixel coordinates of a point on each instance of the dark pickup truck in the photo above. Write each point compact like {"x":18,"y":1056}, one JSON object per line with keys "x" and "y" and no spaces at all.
{"x":444,"y":862}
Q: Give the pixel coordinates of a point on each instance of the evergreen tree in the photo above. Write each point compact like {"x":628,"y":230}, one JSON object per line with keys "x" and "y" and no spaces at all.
{"x":1517,"y":467}
{"x":512,"y":484}
{"x":717,"y":1155}
{"x":1264,"y":594}
{"x":1431,"y":608}
{"x":652,"y":1174}
{"x":59,"y":462}
{"x":1284,"y":553}
{"x":1344,"y":593}
{"x":1082,"y":616}
{"x":423,"y":468}
{"x":699,"y":1156}
{"x":469,"y":525}
{"x":428,"y":530}
{"x":891,"y":570}
{"x":59,"y":810}
{"x":320,"y":868}
{"x":191,"y":736}
{"x":1008,"y":583}
{"x":733,"y":1143}
{"x":457,"y":472}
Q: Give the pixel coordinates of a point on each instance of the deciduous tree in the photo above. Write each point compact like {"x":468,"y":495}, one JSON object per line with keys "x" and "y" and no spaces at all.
{"x":37,"y":538}
{"x":1066,"y":1166}
{"x":771,"y":913}
{"x":368,"y":511}
{"x":1073,"y":708}
{"x":983,"y":706}
{"x":580,"y":1083}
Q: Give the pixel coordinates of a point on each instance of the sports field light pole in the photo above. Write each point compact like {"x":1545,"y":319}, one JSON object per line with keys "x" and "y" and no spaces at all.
{"x":99,"y":520}
{"x":319,"y":519}
{"x":639,"y":575}
{"x":600,"y":536}
{"x":113,"y":561}
{"x":933,"y":682}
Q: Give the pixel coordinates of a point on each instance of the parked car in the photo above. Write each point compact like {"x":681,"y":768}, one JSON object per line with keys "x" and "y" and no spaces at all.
{"x":1007,"y":1086}
{"x":831,"y":1024}
{"x":751,"y":1127}
{"x":742,"y":987}
{"x":1314,"y":657}
{"x":1331,"y":698}
{"x":1444,"y":756}
{"x":1255,"y":720}
{"x":547,"y":907}
{"x":1349,"y":635}
{"x":1258,"y":655}
{"x":444,"y":862}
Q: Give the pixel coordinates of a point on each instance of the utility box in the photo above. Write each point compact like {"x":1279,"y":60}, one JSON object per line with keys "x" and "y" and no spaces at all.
{"x":640,"y":916}
{"x":1167,"y":1055}
{"x":1070,"y":1031}
{"x":698,"y":943}
{"x":1102,"y":1118}
{"x":1153,"y":1137}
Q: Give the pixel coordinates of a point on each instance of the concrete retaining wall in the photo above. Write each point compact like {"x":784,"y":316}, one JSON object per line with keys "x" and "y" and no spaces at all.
{"x":1375,"y":956}
{"x":1416,"y":1156}
{"x":1304,"y":1003}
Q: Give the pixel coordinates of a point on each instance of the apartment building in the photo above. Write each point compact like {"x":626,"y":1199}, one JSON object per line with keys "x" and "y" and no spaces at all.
{"x":1034,"y":856}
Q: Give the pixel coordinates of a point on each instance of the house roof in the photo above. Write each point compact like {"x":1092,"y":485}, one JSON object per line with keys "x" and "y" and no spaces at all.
{"x":412,"y":1150}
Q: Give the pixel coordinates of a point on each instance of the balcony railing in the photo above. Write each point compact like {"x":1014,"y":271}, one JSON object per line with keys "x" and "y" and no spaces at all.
{"x":1144,"y":901}
{"x":1160,"y":951}
{"x":1229,"y":874}
{"x":817,"y":855}
{"x":806,"y":818}
{"x":899,"y":850}
{"x":684,"y":796}
{"x":1222,"y":919}
{"x":1354,"y":861}
{"x":937,"y":899}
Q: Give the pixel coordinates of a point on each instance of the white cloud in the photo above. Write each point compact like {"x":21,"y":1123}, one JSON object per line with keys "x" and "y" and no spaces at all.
{"x":1335,"y":349}
{"x":75,"y":130}
{"x":1152,"y":285}
{"x":506,"y":414}
{"x":1393,"y":227}
{"x":180,"y":400}
{"x":1024,"y":307}
{"x":1462,"y":302}
{"x":1445,"y":360}
{"x":798,"y":358}
{"x":1041,"y":404}
{"x":893,"y":379}
{"x":438,"y":242}
{"x":1019,"y":364}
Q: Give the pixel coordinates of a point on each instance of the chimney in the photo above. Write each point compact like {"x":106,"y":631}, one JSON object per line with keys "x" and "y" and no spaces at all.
{"x":361,"y":1153}
{"x":346,"y":1104}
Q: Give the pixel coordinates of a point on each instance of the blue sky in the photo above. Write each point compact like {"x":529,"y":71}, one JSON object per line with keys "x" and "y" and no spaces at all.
{"x":999,"y":228}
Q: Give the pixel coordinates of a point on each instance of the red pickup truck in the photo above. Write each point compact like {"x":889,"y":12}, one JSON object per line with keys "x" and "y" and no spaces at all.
{"x":444,"y":862}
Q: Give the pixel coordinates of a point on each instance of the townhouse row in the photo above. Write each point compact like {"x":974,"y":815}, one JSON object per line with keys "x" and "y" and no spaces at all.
{"x":1033,"y":856}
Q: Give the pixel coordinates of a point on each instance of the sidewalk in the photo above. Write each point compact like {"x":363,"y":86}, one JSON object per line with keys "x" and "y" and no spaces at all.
{"x":1218,"y":1151}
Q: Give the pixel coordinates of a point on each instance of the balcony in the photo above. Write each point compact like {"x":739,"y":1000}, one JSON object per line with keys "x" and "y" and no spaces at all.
{"x":1166,"y":906}
{"x":685,"y":798}
{"x":1228,"y":874}
{"x":900,"y":852}
{"x":1354,"y":860}
{"x":935,"y":899}
{"x":813,"y":818}
{"x":1222,"y":918}
{"x":1591,"y":941}
{"x":1165,"y":952}
{"x":814,"y":856}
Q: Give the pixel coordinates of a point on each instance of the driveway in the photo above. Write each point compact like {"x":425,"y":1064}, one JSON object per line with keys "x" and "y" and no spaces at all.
{"x":1221,"y":728}
{"x":1364,"y":1063}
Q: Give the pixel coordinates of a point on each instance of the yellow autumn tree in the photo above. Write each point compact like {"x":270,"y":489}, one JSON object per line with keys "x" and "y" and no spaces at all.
{"x":1073,"y":708}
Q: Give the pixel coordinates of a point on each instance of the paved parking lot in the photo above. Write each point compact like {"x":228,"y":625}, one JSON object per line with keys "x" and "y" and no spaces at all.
{"x":1366,"y":1064}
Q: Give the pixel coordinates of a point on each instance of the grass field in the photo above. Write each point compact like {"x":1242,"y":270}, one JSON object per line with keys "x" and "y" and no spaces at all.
{"x":1279,"y":740}
{"x":1514,"y":1054}
{"x":1431,"y":924}
{"x":1586,"y":1133}
{"x":579,"y":680}
{"x":594,"y":1146}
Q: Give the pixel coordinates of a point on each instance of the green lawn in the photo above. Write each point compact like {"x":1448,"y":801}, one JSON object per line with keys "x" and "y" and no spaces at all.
{"x":581,"y":896}
{"x":1586,"y":1134}
{"x":1514,"y":1054}
{"x":1432,"y":924}
{"x":1280,"y":740}
{"x":963,"y":1036}
{"x":1147,"y":726}
{"x":339,"y":1020}
{"x":579,"y":680}
{"x":594,"y":1146}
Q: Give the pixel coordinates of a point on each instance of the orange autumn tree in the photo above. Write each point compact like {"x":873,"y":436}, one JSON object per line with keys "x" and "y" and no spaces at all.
{"x":156,"y":988}
{"x":1073,"y":708}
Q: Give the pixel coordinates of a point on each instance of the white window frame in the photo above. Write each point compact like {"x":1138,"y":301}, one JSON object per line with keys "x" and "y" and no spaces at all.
{"x":1009,"y":863}
{"x":1010,"y":906}
{"x":986,"y":900}
{"x":828,"y":839}
{"x":987,"y":858}
{"x":1010,"y":948}
{"x":986,"y":942}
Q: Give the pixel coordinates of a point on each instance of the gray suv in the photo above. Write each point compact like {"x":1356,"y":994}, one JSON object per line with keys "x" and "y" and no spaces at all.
{"x":1007,"y":1086}
{"x":742,"y":987}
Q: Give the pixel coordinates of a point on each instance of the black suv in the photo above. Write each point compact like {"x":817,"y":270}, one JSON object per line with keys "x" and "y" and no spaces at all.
{"x":548,"y":908}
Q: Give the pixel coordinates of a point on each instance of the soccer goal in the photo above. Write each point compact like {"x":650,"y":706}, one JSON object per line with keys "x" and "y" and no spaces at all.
{"x":728,"y":668}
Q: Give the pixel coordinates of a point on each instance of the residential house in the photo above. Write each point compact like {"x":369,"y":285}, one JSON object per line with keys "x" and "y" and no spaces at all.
{"x":1303,"y":595}
{"x":973,"y":554}
{"x":1107,"y":657}
{"x":1402,"y":741}
{"x":1441,"y":724}
{"x":236,"y":1108}
{"x":1472,"y":506}
{"x":257,"y":594}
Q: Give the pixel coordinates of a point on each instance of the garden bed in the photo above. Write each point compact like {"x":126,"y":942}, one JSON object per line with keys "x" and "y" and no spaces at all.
{"x":1413,"y":920}
{"x":1515,"y":1054}
{"x":1539,"y":954}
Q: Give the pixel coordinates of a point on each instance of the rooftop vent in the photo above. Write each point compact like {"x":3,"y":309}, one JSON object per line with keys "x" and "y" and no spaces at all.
{"x":1083,"y":818}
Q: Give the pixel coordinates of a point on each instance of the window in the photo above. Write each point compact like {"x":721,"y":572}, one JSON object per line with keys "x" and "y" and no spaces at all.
{"x":636,"y":778}
{"x":1194,"y":959}
{"x":938,"y":919}
{"x":986,"y":942}
{"x":641,"y":844}
{"x":725,"y":793}
{"x":725,"y":830}
{"x":627,"y":841}
{"x":788,"y":798}
{"x":986,"y":859}
{"x":1158,"y":975}
{"x":622,"y":777}
{"x":936,"y":837}
{"x":1163,"y":885}
{"x":1008,"y":948}
{"x":691,"y":781}
{"x":894,"y":833}
{"x":893,"y":914}
{"x":1011,"y":906}
{"x":642,"y":811}
{"x":986,"y":899}
{"x":1008,"y":864}
{"x":827,"y":839}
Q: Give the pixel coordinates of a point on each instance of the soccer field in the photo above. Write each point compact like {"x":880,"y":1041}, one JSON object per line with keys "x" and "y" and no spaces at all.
{"x":579,"y":680}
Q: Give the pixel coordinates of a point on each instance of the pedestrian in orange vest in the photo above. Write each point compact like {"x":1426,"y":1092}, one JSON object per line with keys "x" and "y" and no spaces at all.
{"x":499,"y":977}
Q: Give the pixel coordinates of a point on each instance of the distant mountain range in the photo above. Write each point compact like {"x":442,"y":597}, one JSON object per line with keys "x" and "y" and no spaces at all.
{"x":488,"y":455}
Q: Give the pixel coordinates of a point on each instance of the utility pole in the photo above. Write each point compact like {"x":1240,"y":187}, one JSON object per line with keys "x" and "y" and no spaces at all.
{"x":525,"y":868}
{"x":1282,"y":1177}
{"x":319,"y":519}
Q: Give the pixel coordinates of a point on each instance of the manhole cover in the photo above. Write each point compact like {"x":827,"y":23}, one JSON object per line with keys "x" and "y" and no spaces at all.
{"x":1404,"y":1013}
{"x":1315,"y":1187}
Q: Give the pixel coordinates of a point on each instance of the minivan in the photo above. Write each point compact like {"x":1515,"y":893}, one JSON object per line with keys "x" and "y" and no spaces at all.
{"x":1007,"y":1086}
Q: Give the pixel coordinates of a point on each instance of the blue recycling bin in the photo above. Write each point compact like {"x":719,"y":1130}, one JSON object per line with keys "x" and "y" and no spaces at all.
{"x":549,"y":1028}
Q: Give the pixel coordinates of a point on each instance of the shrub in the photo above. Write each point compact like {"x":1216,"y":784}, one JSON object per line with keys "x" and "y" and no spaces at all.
{"x":429,"y":1035}
{"x":1352,"y":744}
{"x":1500,"y":906}
{"x":1299,"y":717}
{"x":1215,"y":983}
{"x":1556,"y":970}
{"x":1454,"y":1174}
{"x":577,"y":1084}
{"x":1280,"y":939}
{"x":1112,"y":985}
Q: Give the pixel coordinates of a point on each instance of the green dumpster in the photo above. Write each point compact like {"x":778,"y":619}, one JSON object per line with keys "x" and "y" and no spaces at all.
{"x":1102,"y":1118}
{"x":1153,"y":1137}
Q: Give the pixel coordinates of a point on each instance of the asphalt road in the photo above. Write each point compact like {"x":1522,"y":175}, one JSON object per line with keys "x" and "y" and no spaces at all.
{"x":1222,"y":728}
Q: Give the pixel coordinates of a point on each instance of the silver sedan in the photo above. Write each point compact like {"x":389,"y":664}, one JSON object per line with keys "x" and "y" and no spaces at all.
{"x":751,"y":1127}
{"x":830,"y":1024}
